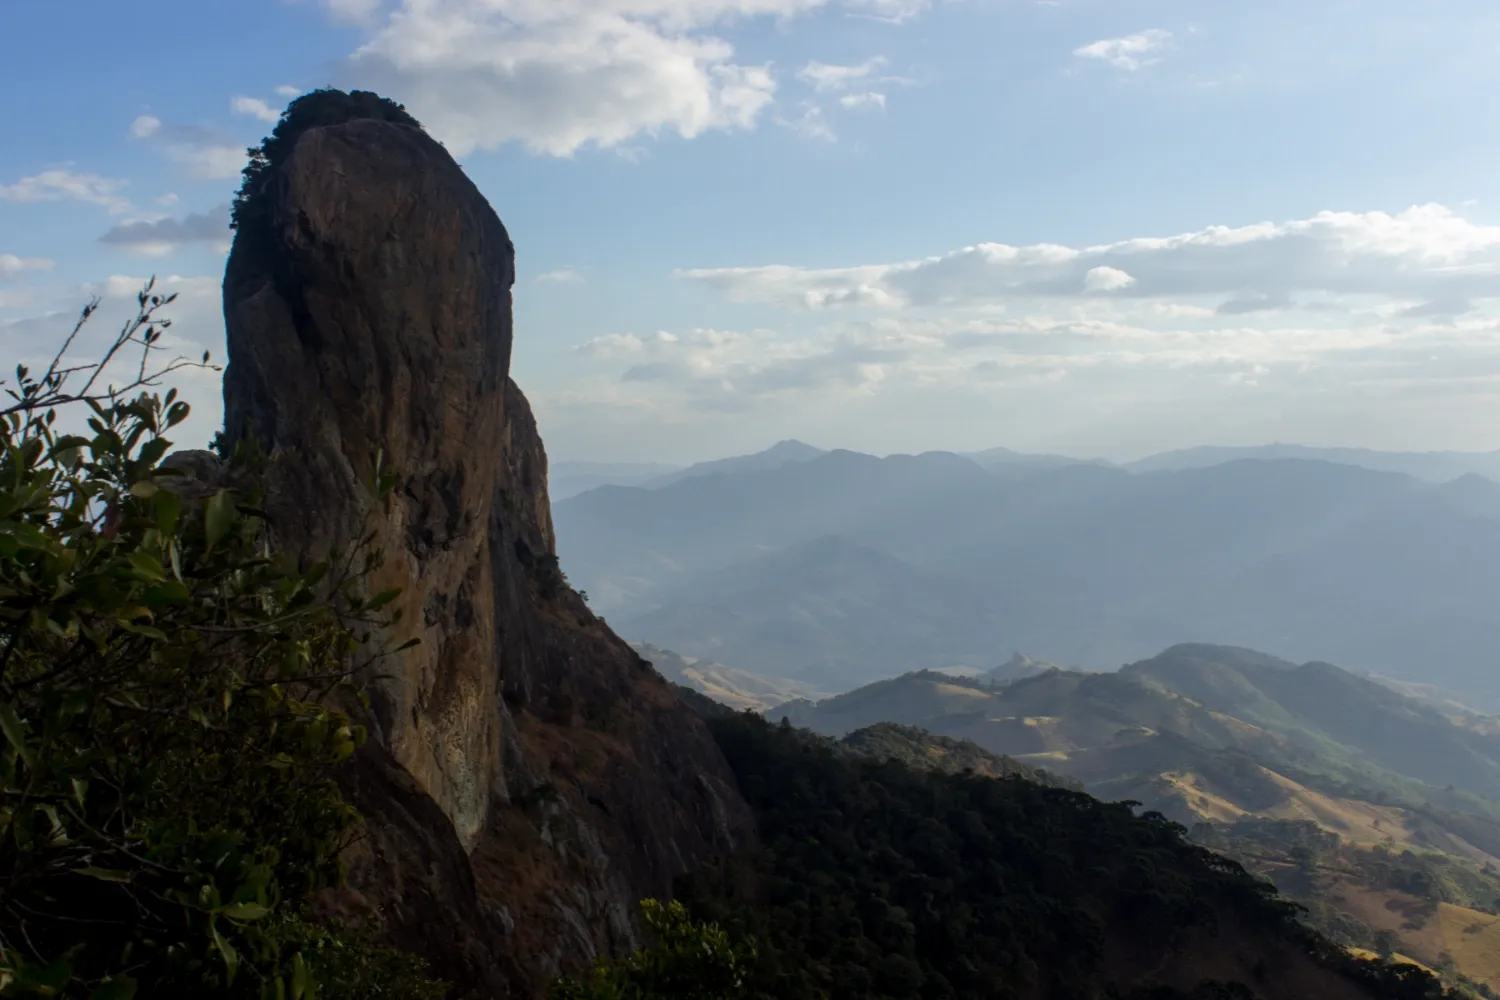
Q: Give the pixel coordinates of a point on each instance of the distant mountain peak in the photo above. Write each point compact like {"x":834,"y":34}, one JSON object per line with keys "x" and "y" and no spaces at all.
{"x":792,"y":448}
{"x":787,"y":452}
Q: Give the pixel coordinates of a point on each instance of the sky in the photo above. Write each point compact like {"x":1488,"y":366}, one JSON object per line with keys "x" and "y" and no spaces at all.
{"x":1097,"y":227}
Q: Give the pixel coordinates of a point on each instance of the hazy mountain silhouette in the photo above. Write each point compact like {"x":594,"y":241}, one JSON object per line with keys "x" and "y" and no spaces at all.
{"x":1082,"y":564}
{"x":567,"y":479}
{"x":1433,"y":466}
{"x":1179,"y":713}
{"x":823,"y":608}
{"x":779,"y":454}
{"x":1005,"y":462}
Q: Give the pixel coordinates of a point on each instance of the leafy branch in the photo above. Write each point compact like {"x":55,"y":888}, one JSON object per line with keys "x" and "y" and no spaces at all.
{"x":55,"y":386}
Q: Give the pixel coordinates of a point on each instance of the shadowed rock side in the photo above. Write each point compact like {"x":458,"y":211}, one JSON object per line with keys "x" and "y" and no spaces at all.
{"x":529,"y":778}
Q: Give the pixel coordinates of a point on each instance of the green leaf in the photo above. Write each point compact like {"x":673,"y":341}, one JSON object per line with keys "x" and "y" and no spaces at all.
{"x":152,"y":451}
{"x":383,"y":598}
{"x":231,"y":957}
{"x":15,"y":731}
{"x":299,"y":977}
{"x":122,"y":988}
{"x":149,"y":631}
{"x":144,"y":489}
{"x":168,"y":509}
{"x":168,"y":592}
{"x":244,"y":911}
{"x":105,"y":874}
{"x":146,"y":566}
{"x":218,"y":516}
{"x":50,"y":980}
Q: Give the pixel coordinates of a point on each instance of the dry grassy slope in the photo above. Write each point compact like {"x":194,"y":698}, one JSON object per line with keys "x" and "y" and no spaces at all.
{"x":741,"y":690}
{"x":1363,"y":824}
{"x":1395,"y":957}
{"x":1470,"y":937}
{"x":1116,"y":735}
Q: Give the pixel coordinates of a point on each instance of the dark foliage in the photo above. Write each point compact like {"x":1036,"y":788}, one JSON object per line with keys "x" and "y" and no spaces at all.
{"x":167,"y":749}
{"x":688,"y":958}
{"x":312,"y":110}
{"x":880,"y":880}
{"x":926,"y":751}
{"x":883,"y":881}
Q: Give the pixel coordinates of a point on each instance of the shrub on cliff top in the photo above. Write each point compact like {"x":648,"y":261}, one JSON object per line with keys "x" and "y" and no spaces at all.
{"x":312,"y":110}
{"x":688,"y":958}
{"x":166,"y":801}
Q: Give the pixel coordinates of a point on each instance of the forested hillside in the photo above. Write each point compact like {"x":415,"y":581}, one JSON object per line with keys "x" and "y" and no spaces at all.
{"x":883,"y":879}
{"x":1252,"y":753}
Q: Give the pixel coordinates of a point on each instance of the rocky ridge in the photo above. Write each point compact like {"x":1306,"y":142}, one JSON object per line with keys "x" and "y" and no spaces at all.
{"x":529,"y":778}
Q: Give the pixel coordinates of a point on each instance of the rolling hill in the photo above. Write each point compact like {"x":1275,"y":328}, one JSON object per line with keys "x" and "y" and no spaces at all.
{"x":1248,"y":750}
{"x":725,"y":685}
{"x":1433,"y":466}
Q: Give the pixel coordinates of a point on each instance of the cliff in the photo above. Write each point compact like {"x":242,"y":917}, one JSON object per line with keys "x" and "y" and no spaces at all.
{"x":528,"y":778}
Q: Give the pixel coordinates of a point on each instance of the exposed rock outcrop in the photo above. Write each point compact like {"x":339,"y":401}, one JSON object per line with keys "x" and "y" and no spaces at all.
{"x":529,"y":778}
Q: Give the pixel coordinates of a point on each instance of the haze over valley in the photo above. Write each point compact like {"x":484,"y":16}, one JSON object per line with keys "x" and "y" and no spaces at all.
{"x":837,"y":568}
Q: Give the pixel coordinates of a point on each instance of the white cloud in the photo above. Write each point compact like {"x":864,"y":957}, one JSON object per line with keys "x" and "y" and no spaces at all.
{"x":1426,"y":253}
{"x":167,"y":200}
{"x":11,"y":265}
{"x":561,"y":275}
{"x":812,"y":123}
{"x":1401,"y":310}
{"x":919,"y":363}
{"x":210,"y":162}
{"x":894,"y":11}
{"x":724,"y":368}
{"x":612,"y":346}
{"x":1106,"y":279}
{"x":145,"y":126}
{"x":826,"y":76}
{"x":187,"y":288}
{"x":353,"y":11}
{"x":288,"y":91}
{"x":203,"y":153}
{"x":254,"y":107}
{"x":157,"y":237}
{"x":1131,"y":52}
{"x":864,"y":99}
{"x":557,"y":76}
{"x":61,"y":184}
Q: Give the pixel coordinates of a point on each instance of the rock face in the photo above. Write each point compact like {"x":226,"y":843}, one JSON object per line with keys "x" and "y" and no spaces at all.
{"x":529,"y":778}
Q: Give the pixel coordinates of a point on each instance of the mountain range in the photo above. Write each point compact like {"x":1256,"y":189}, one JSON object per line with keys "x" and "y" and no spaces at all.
{"x":569,"y":478}
{"x":1264,"y":758}
{"x":841,"y":568}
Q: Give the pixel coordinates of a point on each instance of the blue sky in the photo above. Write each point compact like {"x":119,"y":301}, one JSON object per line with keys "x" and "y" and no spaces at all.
{"x":1095,"y":226}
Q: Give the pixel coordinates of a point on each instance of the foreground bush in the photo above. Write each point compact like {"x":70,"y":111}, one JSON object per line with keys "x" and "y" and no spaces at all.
{"x":688,"y":958}
{"x":166,"y":743}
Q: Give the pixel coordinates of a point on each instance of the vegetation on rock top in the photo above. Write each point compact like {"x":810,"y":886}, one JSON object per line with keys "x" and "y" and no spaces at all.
{"x":316,"y":109}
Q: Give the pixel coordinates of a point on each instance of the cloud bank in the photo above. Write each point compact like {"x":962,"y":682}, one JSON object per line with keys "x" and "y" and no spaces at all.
{"x":558,"y":76}
{"x":1426,"y":253}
